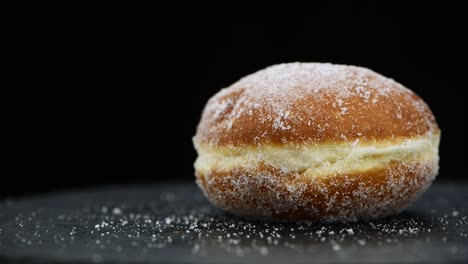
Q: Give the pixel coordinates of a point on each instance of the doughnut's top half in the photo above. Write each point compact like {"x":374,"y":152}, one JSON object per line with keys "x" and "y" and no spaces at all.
{"x":312,"y":103}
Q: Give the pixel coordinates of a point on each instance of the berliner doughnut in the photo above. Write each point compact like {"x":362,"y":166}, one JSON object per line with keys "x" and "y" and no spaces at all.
{"x":316,"y":141}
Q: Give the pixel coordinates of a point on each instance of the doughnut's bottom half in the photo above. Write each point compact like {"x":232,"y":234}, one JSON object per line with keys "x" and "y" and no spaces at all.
{"x":262,"y":190}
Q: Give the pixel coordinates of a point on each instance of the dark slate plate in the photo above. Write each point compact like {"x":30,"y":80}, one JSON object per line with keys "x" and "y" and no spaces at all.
{"x":174,"y":223}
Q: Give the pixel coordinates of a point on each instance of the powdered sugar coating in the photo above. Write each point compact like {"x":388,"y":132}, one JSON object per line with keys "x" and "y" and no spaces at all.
{"x":307,"y":108}
{"x":313,"y":102}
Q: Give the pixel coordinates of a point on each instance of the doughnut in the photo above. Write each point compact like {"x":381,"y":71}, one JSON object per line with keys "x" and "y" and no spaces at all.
{"x":316,"y":142}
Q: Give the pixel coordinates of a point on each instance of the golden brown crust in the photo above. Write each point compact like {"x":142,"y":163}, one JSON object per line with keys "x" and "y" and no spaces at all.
{"x":293,"y":105}
{"x":267,"y":192}
{"x":309,"y":103}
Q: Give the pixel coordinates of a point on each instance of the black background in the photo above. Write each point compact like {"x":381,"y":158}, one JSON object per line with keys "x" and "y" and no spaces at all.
{"x":110,"y":69}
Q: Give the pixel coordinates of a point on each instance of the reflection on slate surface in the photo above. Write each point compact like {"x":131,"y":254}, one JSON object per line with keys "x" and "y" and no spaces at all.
{"x":175,"y":223}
